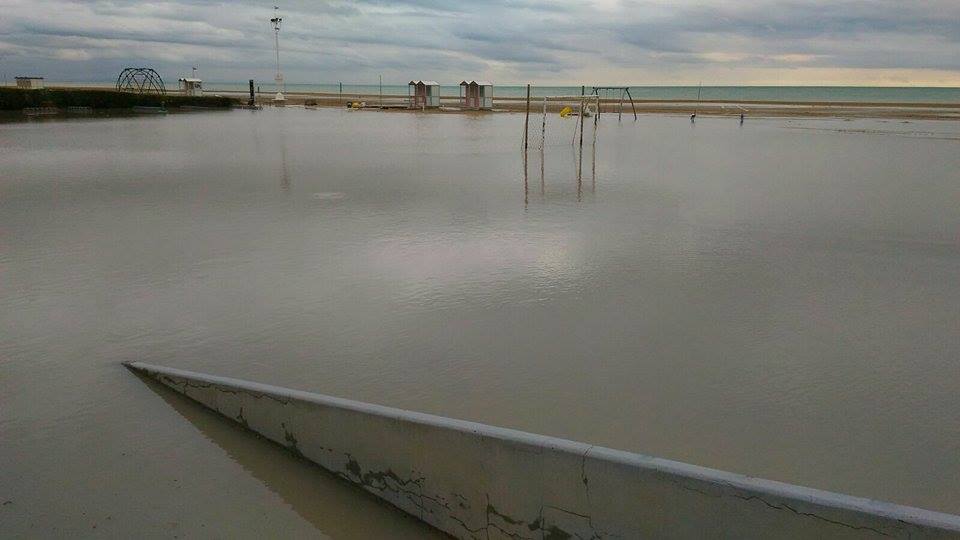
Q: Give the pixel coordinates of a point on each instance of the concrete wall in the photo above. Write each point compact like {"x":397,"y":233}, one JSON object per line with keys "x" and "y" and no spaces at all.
{"x":477,"y":481}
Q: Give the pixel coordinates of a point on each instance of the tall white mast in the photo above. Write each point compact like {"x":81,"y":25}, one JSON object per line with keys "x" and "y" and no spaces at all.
{"x":276,"y":20}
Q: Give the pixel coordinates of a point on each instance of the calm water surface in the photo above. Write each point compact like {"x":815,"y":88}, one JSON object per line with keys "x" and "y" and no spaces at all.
{"x":779,"y":299}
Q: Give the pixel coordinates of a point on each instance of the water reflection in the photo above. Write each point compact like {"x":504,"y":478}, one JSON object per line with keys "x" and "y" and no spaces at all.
{"x":543,"y":183}
{"x":526,"y":186}
{"x":575,"y":173}
{"x":284,"y":171}
{"x":744,"y":299}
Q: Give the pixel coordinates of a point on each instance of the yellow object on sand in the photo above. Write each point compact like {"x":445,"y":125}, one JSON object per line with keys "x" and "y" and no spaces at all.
{"x":566,"y":111}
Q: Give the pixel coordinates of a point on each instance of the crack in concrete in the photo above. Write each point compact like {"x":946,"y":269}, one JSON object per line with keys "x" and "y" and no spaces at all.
{"x":392,"y":482}
{"x":388,"y":480}
{"x":242,"y":420}
{"x":780,"y":506}
{"x":587,"y":517}
{"x":583,"y":472}
{"x":291,"y":439}
{"x":184,"y":384}
{"x":463,"y":525}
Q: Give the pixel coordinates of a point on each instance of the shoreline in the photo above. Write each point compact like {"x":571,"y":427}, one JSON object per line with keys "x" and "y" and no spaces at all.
{"x":755,"y":109}
{"x":750,"y":108}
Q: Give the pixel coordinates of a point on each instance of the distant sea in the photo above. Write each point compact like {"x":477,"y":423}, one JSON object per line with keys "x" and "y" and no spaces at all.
{"x":739,"y":93}
{"x":861,"y":94}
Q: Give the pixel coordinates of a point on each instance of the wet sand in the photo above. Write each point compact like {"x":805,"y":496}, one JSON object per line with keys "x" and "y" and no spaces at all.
{"x":752,"y":109}
{"x":776,"y":109}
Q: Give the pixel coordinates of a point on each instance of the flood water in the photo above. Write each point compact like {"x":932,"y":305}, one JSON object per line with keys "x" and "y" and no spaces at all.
{"x":780,"y":299}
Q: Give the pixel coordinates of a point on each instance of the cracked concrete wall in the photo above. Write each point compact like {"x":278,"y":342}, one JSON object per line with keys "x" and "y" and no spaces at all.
{"x":477,"y":481}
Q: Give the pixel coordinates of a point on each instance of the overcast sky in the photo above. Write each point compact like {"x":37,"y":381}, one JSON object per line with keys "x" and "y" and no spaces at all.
{"x":867,"y":42}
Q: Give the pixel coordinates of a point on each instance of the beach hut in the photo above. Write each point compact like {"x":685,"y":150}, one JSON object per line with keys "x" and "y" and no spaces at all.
{"x":476,"y":94}
{"x":191,"y":86}
{"x":29,"y":83}
{"x":424,"y":94}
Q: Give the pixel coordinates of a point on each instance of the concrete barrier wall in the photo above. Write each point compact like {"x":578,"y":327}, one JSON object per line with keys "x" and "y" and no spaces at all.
{"x":477,"y":481}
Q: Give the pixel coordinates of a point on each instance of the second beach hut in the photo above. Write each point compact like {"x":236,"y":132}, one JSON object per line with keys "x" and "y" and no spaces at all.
{"x":476,"y":95}
{"x":191,"y":86}
{"x":424,"y":94}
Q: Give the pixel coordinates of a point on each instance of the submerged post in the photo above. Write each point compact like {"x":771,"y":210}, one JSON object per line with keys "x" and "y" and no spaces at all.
{"x":526,"y":123}
{"x":593,"y":159}
{"x":543,"y":128}
{"x":596,"y":123}
{"x":580,"y":158}
{"x":583,"y":106}
{"x":620,"y":108}
{"x":543,"y":144}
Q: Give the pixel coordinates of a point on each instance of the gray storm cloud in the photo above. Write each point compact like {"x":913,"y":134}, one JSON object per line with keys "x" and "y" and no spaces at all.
{"x":609,"y":41}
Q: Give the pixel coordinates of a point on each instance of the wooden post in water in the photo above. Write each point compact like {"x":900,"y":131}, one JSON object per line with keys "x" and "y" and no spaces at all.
{"x":576,"y":125}
{"x":543,"y":143}
{"x":582,"y":111}
{"x":543,"y":128}
{"x":596,"y":122}
{"x":526,"y":124}
{"x":580,"y":160}
{"x":526,"y":184}
{"x":620,"y":111}
{"x":593,"y":161}
{"x":340,"y":97}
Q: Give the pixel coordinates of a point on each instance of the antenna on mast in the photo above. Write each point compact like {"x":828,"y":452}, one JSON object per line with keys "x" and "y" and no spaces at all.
{"x":275,"y":21}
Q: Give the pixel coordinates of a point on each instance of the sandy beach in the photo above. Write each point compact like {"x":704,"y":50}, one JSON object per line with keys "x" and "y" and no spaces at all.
{"x":765,"y":109}
{"x":906,"y":111}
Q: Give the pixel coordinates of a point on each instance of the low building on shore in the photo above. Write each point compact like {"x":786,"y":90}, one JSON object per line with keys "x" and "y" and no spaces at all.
{"x":424,"y":94}
{"x":29,"y":83}
{"x":191,"y":86}
{"x":476,"y":95}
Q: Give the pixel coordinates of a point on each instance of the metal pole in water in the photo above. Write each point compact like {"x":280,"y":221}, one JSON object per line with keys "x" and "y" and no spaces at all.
{"x":526,"y":124}
{"x":620,"y":110}
{"x":597,"y":92}
{"x":582,"y":106}
{"x":580,"y":160}
{"x":593,"y":160}
{"x":543,"y":144}
{"x":543,"y":128}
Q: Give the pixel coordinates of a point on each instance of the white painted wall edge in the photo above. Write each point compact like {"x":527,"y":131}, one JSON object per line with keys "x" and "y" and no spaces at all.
{"x":477,"y":481}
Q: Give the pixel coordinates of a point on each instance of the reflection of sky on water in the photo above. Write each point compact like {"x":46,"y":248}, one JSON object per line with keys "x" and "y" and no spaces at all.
{"x":774,"y":301}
